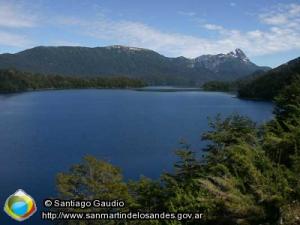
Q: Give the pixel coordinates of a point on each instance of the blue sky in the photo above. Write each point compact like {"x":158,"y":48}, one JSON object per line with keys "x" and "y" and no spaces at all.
{"x":267,"y":31}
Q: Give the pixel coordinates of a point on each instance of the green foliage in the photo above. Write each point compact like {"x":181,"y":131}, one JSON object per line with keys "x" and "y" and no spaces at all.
{"x":219,"y":86}
{"x":288,"y":102}
{"x":282,"y":141}
{"x":93,"y":179}
{"x":231,"y":130}
{"x":12,"y":81}
{"x":237,"y":183}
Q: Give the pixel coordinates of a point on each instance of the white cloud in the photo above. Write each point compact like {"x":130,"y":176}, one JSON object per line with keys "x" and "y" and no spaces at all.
{"x":282,"y":15}
{"x":282,"y":37}
{"x":275,"y":20}
{"x":209,"y":26}
{"x":281,"y":33}
{"x":184,"y":13}
{"x":141,"y":35}
{"x":294,"y":10}
{"x":13,"y":40}
{"x":15,"y":16}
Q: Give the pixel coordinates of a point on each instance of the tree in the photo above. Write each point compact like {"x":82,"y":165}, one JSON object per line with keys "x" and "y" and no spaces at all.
{"x":93,"y":179}
{"x":287,"y":103}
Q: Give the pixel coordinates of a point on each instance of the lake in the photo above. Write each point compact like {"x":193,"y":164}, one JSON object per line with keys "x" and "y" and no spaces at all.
{"x":43,"y":133}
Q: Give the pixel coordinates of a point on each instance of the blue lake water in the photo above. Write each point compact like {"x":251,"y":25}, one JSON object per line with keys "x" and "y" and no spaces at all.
{"x":43,"y":133}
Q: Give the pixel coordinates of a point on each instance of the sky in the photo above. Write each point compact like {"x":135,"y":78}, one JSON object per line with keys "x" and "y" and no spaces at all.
{"x":268,"y":31}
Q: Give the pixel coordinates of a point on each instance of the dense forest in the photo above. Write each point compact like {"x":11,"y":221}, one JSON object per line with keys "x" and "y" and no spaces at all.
{"x":272,"y":82}
{"x":233,"y":86}
{"x":247,"y":175}
{"x":12,"y":81}
{"x":219,"y":86}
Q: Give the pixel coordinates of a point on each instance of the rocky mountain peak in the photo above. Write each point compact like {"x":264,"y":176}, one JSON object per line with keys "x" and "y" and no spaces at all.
{"x":238,"y":53}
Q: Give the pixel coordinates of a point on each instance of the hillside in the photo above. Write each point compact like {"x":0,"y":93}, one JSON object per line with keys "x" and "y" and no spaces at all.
{"x":272,"y":82}
{"x":132,"y":62}
{"x":232,"y":86}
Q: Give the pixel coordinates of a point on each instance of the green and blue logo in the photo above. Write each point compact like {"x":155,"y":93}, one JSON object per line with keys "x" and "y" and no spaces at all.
{"x":20,"y":206}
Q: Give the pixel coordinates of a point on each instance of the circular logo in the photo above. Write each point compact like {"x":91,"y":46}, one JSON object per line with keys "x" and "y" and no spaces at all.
{"x":20,"y":206}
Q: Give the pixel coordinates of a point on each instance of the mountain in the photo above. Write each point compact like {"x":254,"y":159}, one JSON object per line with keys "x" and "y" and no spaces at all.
{"x":118,"y":60}
{"x":268,"y":85}
{"x":233,"y":62}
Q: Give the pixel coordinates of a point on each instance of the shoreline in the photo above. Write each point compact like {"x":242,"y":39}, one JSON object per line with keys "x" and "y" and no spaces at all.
{"x":61,"y":89}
